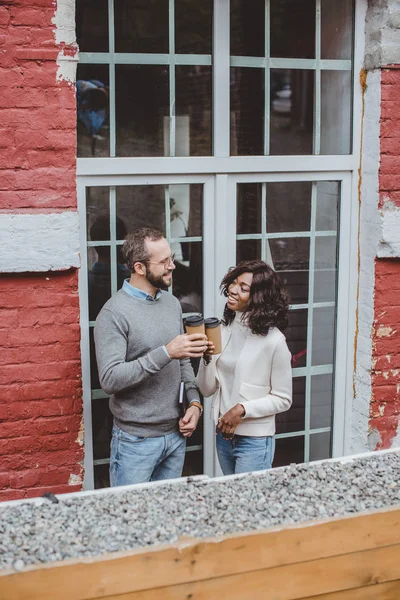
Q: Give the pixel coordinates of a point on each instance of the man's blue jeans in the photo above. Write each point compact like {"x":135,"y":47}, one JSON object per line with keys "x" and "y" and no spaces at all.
{"x":245,"y":453}
{"x":138,"y":459}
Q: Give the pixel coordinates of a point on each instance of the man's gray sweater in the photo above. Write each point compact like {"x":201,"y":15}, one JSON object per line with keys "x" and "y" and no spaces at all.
{"x":134,"y":368}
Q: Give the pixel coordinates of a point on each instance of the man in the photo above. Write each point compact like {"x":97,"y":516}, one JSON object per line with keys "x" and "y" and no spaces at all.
{"x":142,"y":356}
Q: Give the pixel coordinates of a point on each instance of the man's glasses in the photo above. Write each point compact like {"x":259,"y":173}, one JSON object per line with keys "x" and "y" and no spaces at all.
{"x":165,"y":263}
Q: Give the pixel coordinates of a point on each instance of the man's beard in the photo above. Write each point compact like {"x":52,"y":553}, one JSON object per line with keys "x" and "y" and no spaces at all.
{"x":156,"y":281}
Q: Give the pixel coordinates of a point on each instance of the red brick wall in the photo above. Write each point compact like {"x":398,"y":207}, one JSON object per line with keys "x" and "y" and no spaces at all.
{"x":385,"y":405}
{"x":40,"y":387}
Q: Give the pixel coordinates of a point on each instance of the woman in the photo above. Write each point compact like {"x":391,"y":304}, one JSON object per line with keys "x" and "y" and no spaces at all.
{"x":251,"y":380}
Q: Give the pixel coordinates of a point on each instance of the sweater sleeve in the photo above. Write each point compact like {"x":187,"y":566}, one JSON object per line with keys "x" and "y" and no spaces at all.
{"x":115,"y":372}
{"x":280,"y":397}
{"x":206,"y":378}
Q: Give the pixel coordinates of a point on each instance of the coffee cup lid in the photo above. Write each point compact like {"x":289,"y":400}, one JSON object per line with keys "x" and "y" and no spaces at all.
{"x":194,"y":320}
{"x":212,"y":322}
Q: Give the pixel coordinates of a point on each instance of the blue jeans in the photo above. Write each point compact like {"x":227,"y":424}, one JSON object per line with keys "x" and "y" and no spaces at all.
{"x":245,"y":453}
{"x":137,"y":459}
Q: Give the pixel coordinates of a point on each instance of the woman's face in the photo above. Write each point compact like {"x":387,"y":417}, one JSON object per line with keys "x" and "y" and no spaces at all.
{"x":239,"y":292}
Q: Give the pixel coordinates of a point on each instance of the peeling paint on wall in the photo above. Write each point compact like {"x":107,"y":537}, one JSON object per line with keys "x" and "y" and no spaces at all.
{"x":64,"y":34}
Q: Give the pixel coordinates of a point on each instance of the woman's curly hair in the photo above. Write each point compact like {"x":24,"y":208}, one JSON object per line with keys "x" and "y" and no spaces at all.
{"x":269,"y":302}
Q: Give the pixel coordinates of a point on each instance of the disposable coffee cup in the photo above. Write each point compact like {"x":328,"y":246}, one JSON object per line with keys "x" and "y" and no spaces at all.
{"x":195,"y":324}
{"x":213,"y":332}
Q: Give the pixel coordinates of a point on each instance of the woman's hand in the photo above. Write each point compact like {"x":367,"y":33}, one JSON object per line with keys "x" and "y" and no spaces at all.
{"x":209,"y":352}
{"x":228,"y":423}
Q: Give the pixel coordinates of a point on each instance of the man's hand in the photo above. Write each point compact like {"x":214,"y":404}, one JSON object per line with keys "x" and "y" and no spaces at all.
{"x":188,"y":423}
{"x":188,"y":346}
{"x":231,"y":419}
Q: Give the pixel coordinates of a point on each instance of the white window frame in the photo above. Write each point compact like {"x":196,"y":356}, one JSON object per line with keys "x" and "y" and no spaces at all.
{"x":220,"y":172}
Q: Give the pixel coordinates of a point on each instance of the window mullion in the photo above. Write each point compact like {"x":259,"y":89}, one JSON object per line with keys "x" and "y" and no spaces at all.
{"x":267,"y":77}
{"x":221,"y":79}
{"x":172,"y":129}
{"x":111,"y":48}
{"x":317,"y":109}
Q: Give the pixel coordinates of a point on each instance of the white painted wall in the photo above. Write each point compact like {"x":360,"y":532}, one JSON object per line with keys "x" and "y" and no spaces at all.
{"x":39,"y":243}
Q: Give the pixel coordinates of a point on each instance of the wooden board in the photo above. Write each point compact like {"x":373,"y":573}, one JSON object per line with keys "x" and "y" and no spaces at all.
{"x":358,"y":550}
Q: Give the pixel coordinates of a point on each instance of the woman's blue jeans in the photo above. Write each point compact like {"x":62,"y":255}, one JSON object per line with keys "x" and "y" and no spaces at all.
{"x":245,"y":453}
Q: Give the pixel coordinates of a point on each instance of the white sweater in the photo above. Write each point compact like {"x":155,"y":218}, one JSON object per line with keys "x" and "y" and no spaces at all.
{"x":255,"y":371}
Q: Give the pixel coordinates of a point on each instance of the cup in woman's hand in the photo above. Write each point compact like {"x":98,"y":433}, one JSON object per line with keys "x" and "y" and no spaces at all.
{"x":213,"y":332}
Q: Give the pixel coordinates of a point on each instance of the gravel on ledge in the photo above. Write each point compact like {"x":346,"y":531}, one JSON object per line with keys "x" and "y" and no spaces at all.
{"x":84,"y":525}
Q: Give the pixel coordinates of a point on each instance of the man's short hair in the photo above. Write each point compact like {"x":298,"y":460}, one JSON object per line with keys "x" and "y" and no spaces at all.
{"x":134,"y":248}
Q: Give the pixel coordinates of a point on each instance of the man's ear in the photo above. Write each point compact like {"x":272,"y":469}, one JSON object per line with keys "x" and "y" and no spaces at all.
{"x":139,"y":268}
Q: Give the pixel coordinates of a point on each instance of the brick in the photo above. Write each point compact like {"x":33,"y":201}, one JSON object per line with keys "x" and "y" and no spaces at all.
{"x":40,"y":390}
{"x":4,"y":480}
{"x":36,"y":445}
{"x":11,"y":494}
{"x":389,"y":164}
{"x":8,"y":317}
{"x":389,"y":181}
{"x":27,"y":373}
{"x":24,"y":479}
{"x":385,"y":393}
{"x":4,"y":17}
{"x":54,"y":489}
{"x":69,"y":458}
{"x":389,"y":128}
{"x":37,"y":16}
{"x":40,"y":426}
{"x":45,"y":408}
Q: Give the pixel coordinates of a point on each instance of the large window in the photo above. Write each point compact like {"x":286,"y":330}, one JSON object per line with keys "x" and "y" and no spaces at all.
{"x":227,"y":124}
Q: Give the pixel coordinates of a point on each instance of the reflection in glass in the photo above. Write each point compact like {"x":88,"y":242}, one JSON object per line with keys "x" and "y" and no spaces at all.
{"x":142,"y":109}
{"x":97,"y":204}
{"x":292,"y":111}
{"x":337,"y":29}
{"x":296,"y":337}
{"x":101,"y":476}
{"x":141,"y":26}
{"x":289,"y":450}
{"x":247,"y":28}
{"x":325,"y":269}
{"x":292,"y":28}
{"x":248,"y":208}
{"x":193,"y":463}
{"x":187,"y":283}
{"x":321,"y":401}
{"x":92,"y":25}
{"x":193,"y":111}
{"x":141,"y":206}
{"x":247,"y":111}
{"x":290,"y":258}
{"x":323,"y":339}
{"x":248,"y":250}
{"x":288,"y":206}
{"x":336,"y":120}
{"x":320,"y":446}
{"x":294,"y":419}
{"x":92,"y":106}
{"x":102,"y":423}
{"x":186,"y":212}
{"x":193,"y":27}
{"x":328,"y":200}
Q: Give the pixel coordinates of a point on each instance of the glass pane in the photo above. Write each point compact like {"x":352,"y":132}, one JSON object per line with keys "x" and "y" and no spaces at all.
{"x":93,"y":131}
{"x":98,"y":213}
{"x":186,"y":213}
{"x":248,"y":219}
{"x":92,"y":25}
{"x":187,"y":283}
{"x":193,"y":463}
{"x":248,"y":250}
{"x":323,"y":338}
{"x":292,"y":28}
{"x":325,"y":269}
{"x":289,"y":450}
{"x":292,"y":111}
{"x":294,"y":419}
{"x":328,"y":202}
{"x":296,"y":337}
{"x":247,"y":28}
{"x":94,"y":376}
{"x":337,"y":29}
{"x":321,"y":401}
{"x":102,"y":424}
{"x":141,"y":26}
{"x":141,"y":206}
{"x":247,"y":111}
{"x":320,"y":446}
{"x":290,"y":258}
{"x":142,"y":110}
{"x":288,"y":206}
{"x":101,"y":476}
{"x":193,"y":27}
{"x":193,"y":111}
{"x":336,"y":121}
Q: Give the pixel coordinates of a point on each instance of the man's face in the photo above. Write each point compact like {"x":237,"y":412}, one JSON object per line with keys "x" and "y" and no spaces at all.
{"x":159,"y":266}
